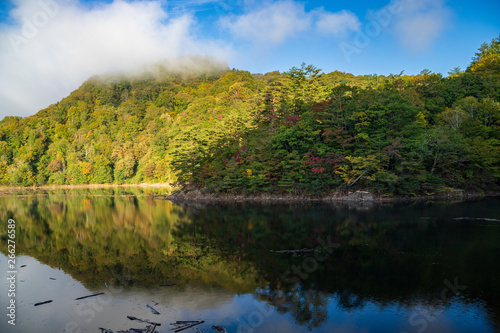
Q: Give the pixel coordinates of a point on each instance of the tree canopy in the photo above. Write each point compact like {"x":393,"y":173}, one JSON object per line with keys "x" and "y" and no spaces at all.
{"x":302,"y":131}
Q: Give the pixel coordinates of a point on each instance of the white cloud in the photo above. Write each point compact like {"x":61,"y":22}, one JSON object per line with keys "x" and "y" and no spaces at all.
{"x":57,"y":44}
{"x":418,"y":24}
{"x":337,"y":23}
{"x":53,"y":48}
{"x":272,"y":23}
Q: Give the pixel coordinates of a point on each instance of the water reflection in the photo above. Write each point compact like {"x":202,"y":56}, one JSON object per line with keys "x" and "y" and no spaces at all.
{"x":386,"y":261}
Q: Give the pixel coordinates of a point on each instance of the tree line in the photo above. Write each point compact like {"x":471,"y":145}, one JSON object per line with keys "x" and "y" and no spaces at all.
{"x":300,"y":132}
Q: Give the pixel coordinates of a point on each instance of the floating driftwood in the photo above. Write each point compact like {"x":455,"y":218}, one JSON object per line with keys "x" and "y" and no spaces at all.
{"x":148,"y":329}
{"x":184,"y":325}
{"x":42,"y":303}
{"x":83,"y":297}
{"x":301,"y":251}
{"x":152,"y":310}
{"x":104,"y":330}
{"x":476,"y":218}
{"x":143,"y":320}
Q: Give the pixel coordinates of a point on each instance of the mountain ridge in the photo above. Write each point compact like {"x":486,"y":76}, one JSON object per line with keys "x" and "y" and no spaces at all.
{"x":199,"y":124}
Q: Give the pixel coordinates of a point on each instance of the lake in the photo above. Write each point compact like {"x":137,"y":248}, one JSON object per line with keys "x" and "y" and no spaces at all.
{"x":395,"y":267}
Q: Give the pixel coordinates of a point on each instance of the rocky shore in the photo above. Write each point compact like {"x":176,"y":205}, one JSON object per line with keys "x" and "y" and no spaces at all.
{"x":346,"y":196}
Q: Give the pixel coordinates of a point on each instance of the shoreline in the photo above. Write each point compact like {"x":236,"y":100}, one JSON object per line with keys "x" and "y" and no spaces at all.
{"x":346,"y":197}
{"x":183,"y":196}
{"x":28,"y":191}
{"x":85,"y":186}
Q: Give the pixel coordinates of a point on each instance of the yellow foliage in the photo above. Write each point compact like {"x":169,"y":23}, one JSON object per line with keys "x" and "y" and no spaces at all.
{"x":421,"y":119}
{"x":490,"y":62}
{"x":86,"y":168}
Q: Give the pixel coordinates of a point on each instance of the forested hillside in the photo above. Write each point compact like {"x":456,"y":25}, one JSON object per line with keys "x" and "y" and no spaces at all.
{"x":300,"y":132}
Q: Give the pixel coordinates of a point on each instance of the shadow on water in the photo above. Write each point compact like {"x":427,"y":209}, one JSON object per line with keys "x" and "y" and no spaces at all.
{"x":390,"y":256}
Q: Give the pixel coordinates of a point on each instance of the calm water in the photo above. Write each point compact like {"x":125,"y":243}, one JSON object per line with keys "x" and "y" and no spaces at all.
{"x":418,"y":267}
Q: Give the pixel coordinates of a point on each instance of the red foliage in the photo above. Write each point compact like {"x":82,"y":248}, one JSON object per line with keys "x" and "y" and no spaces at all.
{"x":318,"y":170}
{"x":321,"y":106}
{"x":319,"y":164}
{"x":237,"y":157}
{"x":292,"y":119}
{"x":55,"y":165}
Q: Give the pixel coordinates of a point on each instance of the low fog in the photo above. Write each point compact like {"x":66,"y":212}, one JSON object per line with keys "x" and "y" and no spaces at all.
{"x":48,"y":48}
{"x":60,"y":44}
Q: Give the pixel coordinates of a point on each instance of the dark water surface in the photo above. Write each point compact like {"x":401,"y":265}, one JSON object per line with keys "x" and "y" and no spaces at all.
{"x":412,"y":267}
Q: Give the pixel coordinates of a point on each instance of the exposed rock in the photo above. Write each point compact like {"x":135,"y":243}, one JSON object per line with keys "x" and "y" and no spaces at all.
{"x":455,"y":194}
{"x":360,"y":196}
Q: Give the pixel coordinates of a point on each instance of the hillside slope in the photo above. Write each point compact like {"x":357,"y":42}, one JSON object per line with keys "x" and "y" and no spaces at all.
{"x":302,"y":131}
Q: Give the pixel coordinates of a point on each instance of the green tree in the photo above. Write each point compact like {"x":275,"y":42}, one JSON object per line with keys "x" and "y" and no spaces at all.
{"x":487,"y":59}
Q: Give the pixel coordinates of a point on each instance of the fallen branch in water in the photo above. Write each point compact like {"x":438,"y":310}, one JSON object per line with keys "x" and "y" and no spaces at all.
{"x":143,"y":321}
{"x":148,"y":329}
{"x":151,"y":329}
{"x":83,"y":297}
{"x":105,"y":330}
{"x":152,"y":310}
{"x":476,"y":218}
{"x":295,"y":251}
{"x":185,"y":325}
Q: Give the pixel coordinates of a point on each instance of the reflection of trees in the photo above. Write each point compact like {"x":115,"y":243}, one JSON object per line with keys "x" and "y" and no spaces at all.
{"x":388,"y":253}
{"x":307,"y":307}
{"x":94,"y":236}
{"x":351,"y":301}
{"x":119,"y":240}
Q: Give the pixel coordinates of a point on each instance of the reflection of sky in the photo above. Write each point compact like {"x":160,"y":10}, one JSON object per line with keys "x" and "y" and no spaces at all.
{"x":237,"y":313}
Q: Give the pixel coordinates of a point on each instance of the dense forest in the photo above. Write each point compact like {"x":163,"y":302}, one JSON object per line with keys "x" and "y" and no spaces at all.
{"x":298,"y":132}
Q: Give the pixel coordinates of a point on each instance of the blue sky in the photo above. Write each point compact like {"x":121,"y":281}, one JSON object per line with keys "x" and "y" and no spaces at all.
{"x":49,"y":47}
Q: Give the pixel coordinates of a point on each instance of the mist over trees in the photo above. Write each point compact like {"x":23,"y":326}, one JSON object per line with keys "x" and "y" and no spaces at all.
{"x":302,"y":131}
